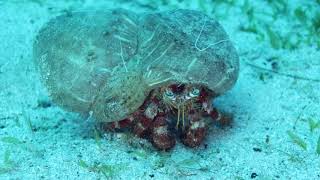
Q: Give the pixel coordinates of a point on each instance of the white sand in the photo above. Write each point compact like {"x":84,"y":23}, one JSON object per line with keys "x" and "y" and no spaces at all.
{"x":263,"y":111}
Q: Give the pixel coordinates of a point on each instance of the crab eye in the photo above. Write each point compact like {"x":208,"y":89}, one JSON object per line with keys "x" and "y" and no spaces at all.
{"x":195,"y":92}
{"x":169,"y":94}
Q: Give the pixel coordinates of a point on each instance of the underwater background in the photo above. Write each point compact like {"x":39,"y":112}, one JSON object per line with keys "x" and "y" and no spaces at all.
{"x":275,"y":133}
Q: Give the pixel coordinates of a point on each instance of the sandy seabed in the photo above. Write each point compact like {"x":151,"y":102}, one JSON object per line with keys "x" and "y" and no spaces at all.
{"x":275,"y":104}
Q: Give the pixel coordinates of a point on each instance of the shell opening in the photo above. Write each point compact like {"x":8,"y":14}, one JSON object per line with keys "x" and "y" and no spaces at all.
{"x":181,"y":99}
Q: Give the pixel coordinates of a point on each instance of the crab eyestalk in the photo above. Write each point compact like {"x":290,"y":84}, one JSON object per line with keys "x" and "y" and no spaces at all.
{"x":180,"y":99}
{"x":172,"y":104}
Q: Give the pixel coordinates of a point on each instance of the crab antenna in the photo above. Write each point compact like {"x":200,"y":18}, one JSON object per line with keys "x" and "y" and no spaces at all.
{"x":177,"y":125}
{"x":182,"y":115}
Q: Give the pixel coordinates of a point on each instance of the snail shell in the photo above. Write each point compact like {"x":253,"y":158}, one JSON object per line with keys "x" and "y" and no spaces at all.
{"x":107,"y":62}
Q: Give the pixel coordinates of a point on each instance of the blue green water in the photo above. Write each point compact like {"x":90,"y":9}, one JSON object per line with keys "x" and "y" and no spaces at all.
{"x":275,"y":132}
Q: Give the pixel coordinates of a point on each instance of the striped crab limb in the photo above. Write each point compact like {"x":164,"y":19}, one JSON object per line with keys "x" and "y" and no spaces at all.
{"x":145,"y":116}
{"x":195,"y":132}
{"x":141,"y":126}
{"x":118,"y":125}
{"x":223,"y":119}
{"x":161,"y":137}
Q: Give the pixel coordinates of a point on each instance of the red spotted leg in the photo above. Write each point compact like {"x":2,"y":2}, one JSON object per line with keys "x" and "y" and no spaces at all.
{"x":195,"y":132}
{"x":140,"y":120}
{"x":143,"y":118}
{"x":161,"y":137}
{"x":118,"y":125}
{"x":223,"y":119}
{"x":141,"y":126}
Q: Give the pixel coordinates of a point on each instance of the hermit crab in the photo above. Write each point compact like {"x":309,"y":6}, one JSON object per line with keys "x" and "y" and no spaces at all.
{"x":153,"y":73}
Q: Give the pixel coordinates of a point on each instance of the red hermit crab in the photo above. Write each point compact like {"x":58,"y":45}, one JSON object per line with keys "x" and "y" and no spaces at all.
{"x":179,"y":109}
{"x":155,"y":73}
